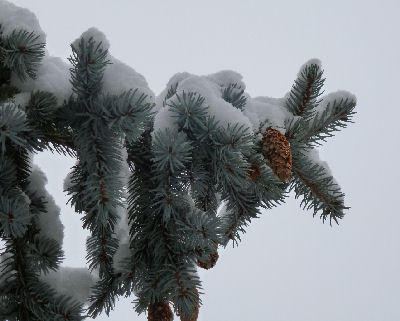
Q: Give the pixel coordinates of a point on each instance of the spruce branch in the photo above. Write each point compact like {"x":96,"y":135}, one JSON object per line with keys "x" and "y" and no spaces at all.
{"x":141,"y":185}
{"x":32,"y":298}
{"x":189,"y":111}
{"x":13,"y":124}
{"x":14,"y":216}
{"x":22,"y":53}
{"x":178,"y":178}
{"x":171,"y":156}
{"x":303,"y":97}
{"x":43,"y":115}
{"x":101,"y":249}
{"x":88,"y":61}
{"x":317,"y":188}
{"x":333,"y":116}
{"x":45,"y":304}
{"x":157,"y":240}
{"x":128,"y":113}
{"x":7,"y":91}
{"x":46,"y":252}
{"x":240,"y":209}
{"x":104,"y":295}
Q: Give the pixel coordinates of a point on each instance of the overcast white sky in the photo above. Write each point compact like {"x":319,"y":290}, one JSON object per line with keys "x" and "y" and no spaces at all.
{"x":289,"y":266}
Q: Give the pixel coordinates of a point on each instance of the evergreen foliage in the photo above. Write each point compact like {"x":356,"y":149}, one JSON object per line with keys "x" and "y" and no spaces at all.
{"x":179,"y":177}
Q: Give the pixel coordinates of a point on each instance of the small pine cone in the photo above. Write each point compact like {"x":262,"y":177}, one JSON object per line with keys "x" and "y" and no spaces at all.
{"x":253,"y":172}
{"x":277,"y":153}
{"x":211,"y":261}
{"x":160,"y":311}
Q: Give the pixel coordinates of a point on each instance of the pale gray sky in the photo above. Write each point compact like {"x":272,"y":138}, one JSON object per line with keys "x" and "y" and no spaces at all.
{"x":289,"y":265}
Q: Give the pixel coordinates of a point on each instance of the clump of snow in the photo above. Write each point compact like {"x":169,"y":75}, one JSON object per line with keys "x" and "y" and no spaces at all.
{"x":53,"y":73}
{"x":122,"y":227}
{"x":226,"y":77}
{"x":266,"y":112}
{"x":21,"y":100}
{"x":259,"y":113}
{"x":164,"y":119}
{"x":281,"y":102}
{"x":222,"y":209}
{"x":119,"y":77}
{"x":49,"y":223}
{"x":313,"y":155}
{"x":328,"y":100}
{"x":13,"y":18}
{"x":122,"y":234}
{"x":73,"y":282}
{"x":67,"y":183}
{"x":223,"y":111}
{"x":314,"y":61}
{"x":53,"y":76}
{"x":125,"y":171}
{"x":97,"y":36}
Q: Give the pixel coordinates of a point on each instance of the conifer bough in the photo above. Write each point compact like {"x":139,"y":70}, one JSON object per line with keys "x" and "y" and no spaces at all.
{"x":161,"y":182}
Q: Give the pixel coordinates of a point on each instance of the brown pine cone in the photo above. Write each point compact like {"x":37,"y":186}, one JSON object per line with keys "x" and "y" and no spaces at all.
{"x":277,"y":153}
{"x":210,"y":263}
{"x":160,"y":311}
{"x":212,"y":259}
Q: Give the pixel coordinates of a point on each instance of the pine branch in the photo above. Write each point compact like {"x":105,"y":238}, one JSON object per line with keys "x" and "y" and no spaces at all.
{"x":89,"y":61}
{"x":14,"y":216}
{"x":141,"y":185}
{"x":189,"y":111}
{"x":176,"y":182}
{"x":198,"y":235}
{"x":43,"y":115}
{"x":223,"y":150}
{"x":22,"y":53}
{"x":127,"y":113}
{"x":303,"y":96}
{"x":13,"y":126}
{"x":191,"y":116}
{"x":318,"y":189}
{"x":157,"y":242}
{"x":171,"y":156}
{"x":337,"y":110}
{"x":104,"y":295}
{"x":241,"y":208}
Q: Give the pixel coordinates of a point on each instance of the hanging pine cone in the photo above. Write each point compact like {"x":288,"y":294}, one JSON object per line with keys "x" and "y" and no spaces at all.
{"x":210,"y":261}
{"x":277,"y":153}
{"x":160,"y":311}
